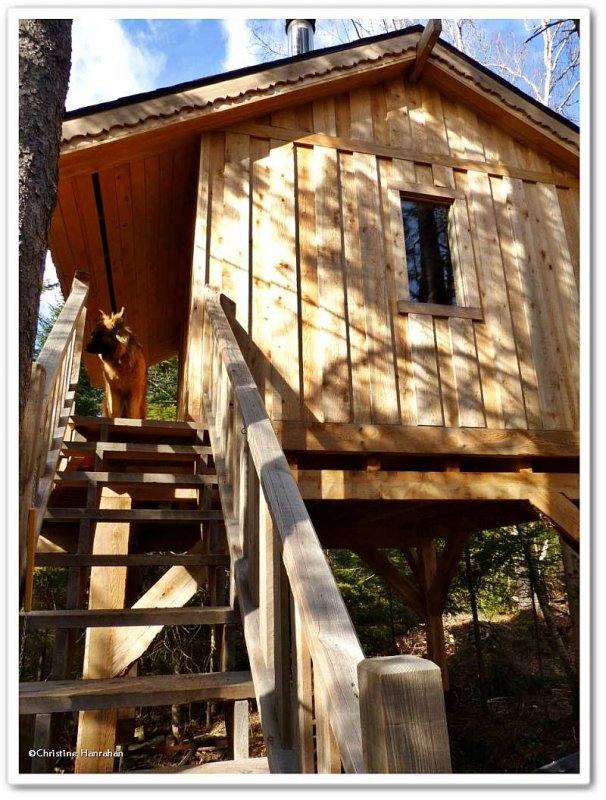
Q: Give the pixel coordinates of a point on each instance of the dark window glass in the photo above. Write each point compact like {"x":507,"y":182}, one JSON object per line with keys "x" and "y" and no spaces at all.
{"x":430,"y":277}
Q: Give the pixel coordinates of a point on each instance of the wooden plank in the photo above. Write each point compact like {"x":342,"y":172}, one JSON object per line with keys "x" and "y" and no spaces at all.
{"x":458,"y":160}
{"x":334,"y":354}
{"x":134,"y":560}
{"x":302,"y":696}
{"x":431,"y":34}
{"x":175,"y":588}
{"x":437,"y":310}
{"x":131,"y":449}
{"x":378,"y":104}
{"x":412,"y":440}
{"x":132,"y":515}
{"x":380,"y":347}
{"x":505,"y":405}
{"x":244,"y":766}
{"x":445,"y":356}
{"x":569,"y":206}
{"x":560,"y":511}
{"x":356,"y":302}
{"x":261,"y":324}
{"x":144,"y":691}
{"x":513,"y":261}
{"x":425,"y":370}
{"x":128,"y":617}
{"x":192,"y":371}
{"x":554,"y":414}
{"x":311,"y":363}
{"x":235,"y":221}
{"x":388,"y":485}
{"x":466,"y":374}
{"x":361,"y":127}
{"x":397,"y":283}
{"x":327,"y":749}
{"x":403,"y":716}
{"x":134,"y":479}
{"x":324,"y":119}
{"x":562,"y":290}
{"x":107,"y":590}
{"x":144,"y":427}
{"x":396,"y":100}
{"x":282,"y":264}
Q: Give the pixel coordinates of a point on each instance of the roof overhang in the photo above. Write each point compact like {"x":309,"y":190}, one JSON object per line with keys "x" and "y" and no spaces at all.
{"x":107,"y":133}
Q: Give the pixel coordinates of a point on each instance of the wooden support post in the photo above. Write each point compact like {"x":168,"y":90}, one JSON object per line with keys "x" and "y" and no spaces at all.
{"x":403,"y":716}
{"x":329,"y":760}
{"x":429,"y":37}
{"x":303,"y":743}
{"x":434,"y":626}
{"x":97,"y":729}
{"x":236,"y":724}
{"x":30,"y":559}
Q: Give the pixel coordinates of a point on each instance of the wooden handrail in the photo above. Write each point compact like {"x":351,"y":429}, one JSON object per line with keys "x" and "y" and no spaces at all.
{"x":328,"y":630}
{"x":370,"y":715}
{"x":52,"y":390}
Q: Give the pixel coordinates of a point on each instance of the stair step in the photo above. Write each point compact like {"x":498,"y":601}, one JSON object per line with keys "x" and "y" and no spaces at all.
{"x":141,"y":426}
{"x":131,"y":560}
{"x":132,"y":514}
{"x":135,"y":450}
{"x":130,"y":480}
{"x":241,"y":766}
{"x":46,"y":697}
{"x":123,"y":617}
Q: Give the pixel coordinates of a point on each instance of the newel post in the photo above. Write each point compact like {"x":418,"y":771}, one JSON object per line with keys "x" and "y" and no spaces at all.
{"x":403,"y":716}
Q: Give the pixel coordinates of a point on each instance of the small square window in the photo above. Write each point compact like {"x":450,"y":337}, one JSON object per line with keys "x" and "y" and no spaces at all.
{"x":428,"y":258}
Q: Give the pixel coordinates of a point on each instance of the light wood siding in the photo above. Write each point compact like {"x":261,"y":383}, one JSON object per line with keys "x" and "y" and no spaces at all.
{"x":307,"y":239}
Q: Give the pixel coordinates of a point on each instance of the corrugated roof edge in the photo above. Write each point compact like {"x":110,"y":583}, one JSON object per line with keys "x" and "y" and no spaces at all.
{"x":239,"y":73}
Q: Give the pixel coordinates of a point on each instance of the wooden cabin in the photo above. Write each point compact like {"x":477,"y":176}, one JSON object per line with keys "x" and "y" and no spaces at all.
{"x":393,"y":231}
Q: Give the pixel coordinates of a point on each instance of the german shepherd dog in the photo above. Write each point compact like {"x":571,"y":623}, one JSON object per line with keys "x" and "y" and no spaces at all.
{"x":124,"y":367}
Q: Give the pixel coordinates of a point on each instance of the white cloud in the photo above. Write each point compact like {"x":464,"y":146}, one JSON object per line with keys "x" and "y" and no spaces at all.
{"x":238,"y":45}
{"x":106,"y":64}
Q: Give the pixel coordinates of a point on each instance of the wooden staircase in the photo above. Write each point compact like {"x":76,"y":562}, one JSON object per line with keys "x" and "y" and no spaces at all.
{"x":125,"y":488}
{"x":215,"y":504}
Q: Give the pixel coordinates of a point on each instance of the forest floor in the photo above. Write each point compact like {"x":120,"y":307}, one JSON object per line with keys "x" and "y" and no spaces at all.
{"x":521,"y":716}
{"x":527,"y":718}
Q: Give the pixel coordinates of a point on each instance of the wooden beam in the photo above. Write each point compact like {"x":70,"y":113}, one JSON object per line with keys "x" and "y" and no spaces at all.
{"x":560,"y":512}
{"x":149,"y":515}
{"x":134,"y":560}
{"x":426,"y":43}
{"x":97,"y":729}
{"x":129,"y":617}
{"x":429,"y":580}
{"x":151,"y":690}
{"x":416,"y":440}
{"x":130,"y":480}
{"x":382,"y":565}
{"x":421,"y":157}
{"x":362,"y":485}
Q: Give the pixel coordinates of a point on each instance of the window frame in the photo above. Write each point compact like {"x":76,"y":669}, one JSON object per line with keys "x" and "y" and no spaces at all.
{"x":461,"y":252}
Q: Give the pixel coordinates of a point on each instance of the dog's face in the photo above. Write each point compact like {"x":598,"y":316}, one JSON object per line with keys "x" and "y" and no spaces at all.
{"x":108,"y":335}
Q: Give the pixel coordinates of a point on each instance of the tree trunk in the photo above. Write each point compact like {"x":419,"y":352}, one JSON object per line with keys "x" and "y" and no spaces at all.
{"x":44,"y":64}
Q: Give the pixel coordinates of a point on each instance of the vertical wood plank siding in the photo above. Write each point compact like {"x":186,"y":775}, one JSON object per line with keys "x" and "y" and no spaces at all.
{"x":308,"y":242}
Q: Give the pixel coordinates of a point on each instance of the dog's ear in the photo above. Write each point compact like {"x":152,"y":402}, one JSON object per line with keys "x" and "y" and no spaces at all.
{"x":119,"y":315}
{"x":101,"y":315}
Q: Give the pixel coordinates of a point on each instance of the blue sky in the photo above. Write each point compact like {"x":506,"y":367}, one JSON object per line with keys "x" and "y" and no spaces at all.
{"x":115,"y":57}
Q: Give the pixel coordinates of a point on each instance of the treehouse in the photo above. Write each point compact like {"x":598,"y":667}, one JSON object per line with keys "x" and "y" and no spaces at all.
{"x":366,"y":259}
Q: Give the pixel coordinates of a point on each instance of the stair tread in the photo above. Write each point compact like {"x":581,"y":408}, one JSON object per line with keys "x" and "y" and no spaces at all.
{"x":128,"y":617}
{"x":129,"y":448}
{"x":146,"y":425}
{"x":129,"y":560}
{"x":67,"y":478}
{"x":241,"y":766}
{"x":152,"y":690}
{"x":133,"y":514}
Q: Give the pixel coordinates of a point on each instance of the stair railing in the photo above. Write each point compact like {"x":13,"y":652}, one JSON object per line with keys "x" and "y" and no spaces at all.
{"x":324,"y":707}
{"x":50,"y":402}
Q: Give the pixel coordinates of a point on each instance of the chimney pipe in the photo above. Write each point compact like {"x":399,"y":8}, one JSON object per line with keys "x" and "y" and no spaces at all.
{"x":300,"y":34}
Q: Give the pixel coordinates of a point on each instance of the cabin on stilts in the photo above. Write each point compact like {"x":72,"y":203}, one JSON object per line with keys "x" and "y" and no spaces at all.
{"x":367,"y":260}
